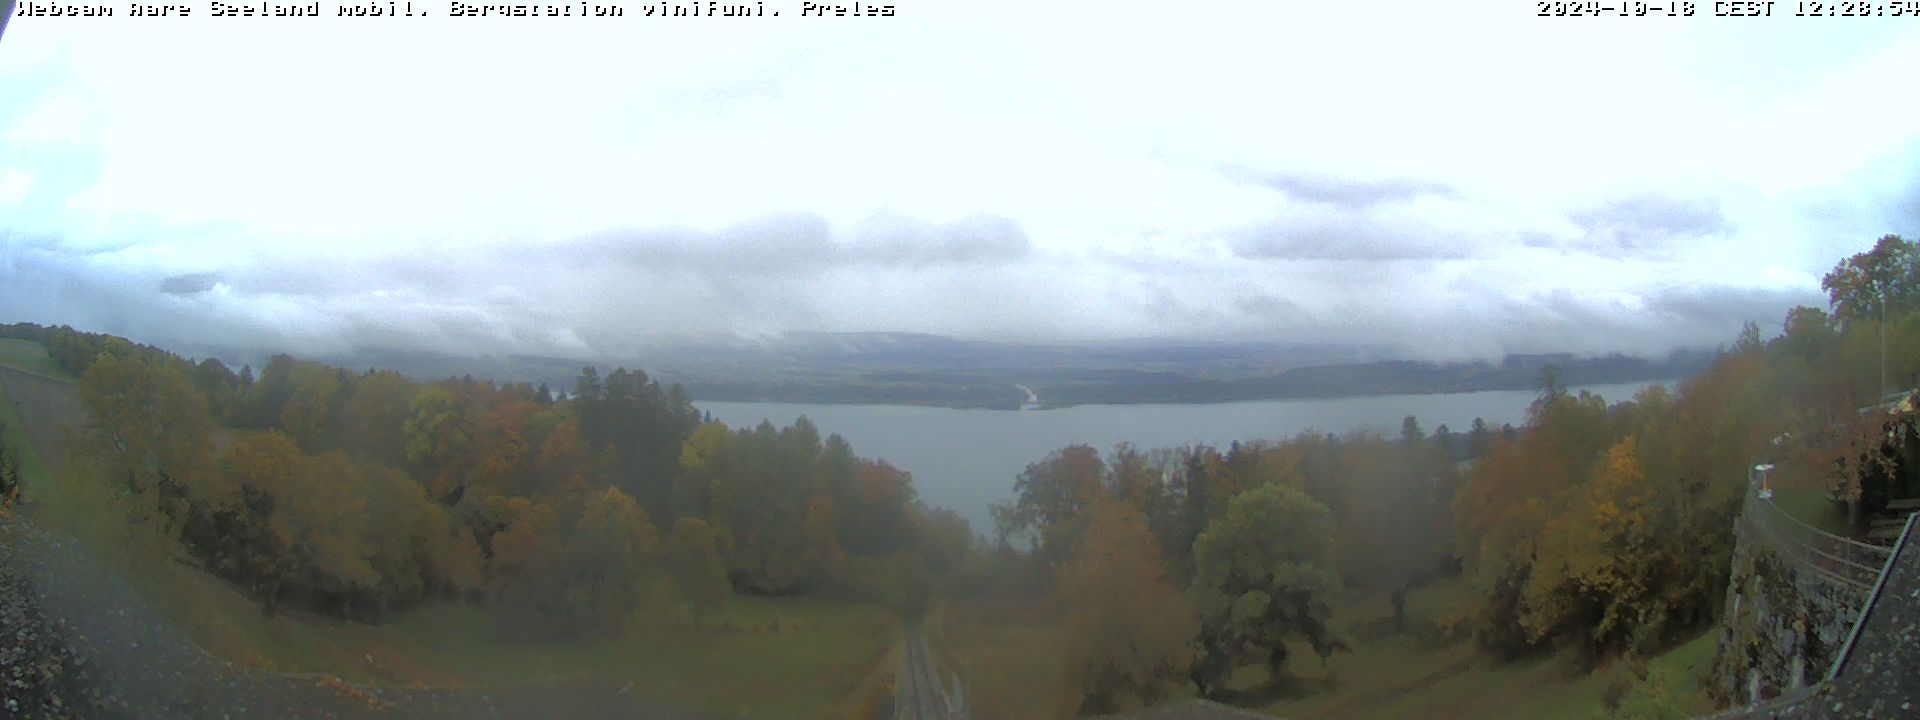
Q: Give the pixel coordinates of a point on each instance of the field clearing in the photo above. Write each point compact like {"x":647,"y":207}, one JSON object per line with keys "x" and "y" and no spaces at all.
{"x":1010,"y":660}
{"x":31,"y":357}
{"x":1399,"y":677}
{"x":49,"y":399}
{"x":35,"y":477}
{"x":48,"y":410}
{"x":1008,"y":653}
{"x":758,"y":657}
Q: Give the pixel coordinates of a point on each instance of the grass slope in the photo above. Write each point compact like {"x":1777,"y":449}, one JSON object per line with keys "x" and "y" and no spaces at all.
{"x":757,"y":658}
{"x":760,"y":657}
{"x":39,"y":405}
{"x":1009,"y":657}
{"x":1008,"y":654}
{"x":31,"y":357}
{"x":34,"y":474}
{"x":789,"y":658}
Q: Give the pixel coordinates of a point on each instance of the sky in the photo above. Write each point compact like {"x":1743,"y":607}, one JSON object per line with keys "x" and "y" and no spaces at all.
{"x":1457,"y":180}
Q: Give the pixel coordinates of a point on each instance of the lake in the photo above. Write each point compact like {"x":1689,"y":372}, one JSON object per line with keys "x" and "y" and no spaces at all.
{"x":965,"y":459}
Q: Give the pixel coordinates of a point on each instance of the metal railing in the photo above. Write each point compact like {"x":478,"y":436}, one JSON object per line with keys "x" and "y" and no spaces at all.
{"x":1873,"y":598}
{"x":1843,"y":561}
{"x":1846,"y":563}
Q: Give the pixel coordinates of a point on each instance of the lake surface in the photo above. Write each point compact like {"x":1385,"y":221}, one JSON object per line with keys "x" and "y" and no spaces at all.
{"x":965,"y":459}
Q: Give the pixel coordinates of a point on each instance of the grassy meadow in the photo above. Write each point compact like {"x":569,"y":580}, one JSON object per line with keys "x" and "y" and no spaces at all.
{"x":31,"y":357}
{"x":1007,"y":653}
{"x":34,"y":473}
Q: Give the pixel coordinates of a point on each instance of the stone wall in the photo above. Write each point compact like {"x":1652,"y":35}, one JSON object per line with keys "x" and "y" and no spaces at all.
{"x":1876,"y":679}
{"x":1782,"y":626}
{"x":1788,"y":612}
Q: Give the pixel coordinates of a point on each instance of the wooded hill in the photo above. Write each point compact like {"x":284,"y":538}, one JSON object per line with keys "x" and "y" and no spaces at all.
{"x":361,"y":493}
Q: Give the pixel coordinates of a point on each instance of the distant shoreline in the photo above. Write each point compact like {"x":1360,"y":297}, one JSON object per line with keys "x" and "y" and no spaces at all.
{"x":803,"y":397}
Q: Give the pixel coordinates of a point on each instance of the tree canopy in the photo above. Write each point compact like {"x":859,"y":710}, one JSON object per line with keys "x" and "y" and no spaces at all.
{"x":361,"y":493}
{"x":1264,"y":572}
{"x":1129,"y":628}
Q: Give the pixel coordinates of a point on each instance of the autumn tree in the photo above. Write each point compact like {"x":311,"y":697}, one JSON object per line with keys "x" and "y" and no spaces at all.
{"x":219,"y":384}
{"x":373,"y":419}
{"x":266,"y":397}
{"x":1131,"y":478}
{"x":1191,"y":488}
{"x":523,"y":573}
{"x":943,"y":538}
{"x":1129,"y":628}
{"x":561,"y":466}
{"x":149,"y":431}
{"x":1410,"y":432}
{"x":1052,"y":496}
{"x":1871,"y":285}
{"x":1263,"y":572}
{"x":418,"y":548}
{"x":305,"y":527}
{"x":321,"y":519}
{"x":1392,"y":500}
{"x":704,"y":487}
{"x":311,"y":415}
{"x":697,"y":567}
{"x":1600,"y":563}
{"x":1506,"y":503}
{"x":504,"y":442}
{"x":1479,"y":439}
{"x":612,"y":562}
{"x":877,"y":520}
{"x":776,"y":514}
{"x":819,"y":534}
{"x":637,"y":428}
{"x":1449,"y":442}
{"x":259,"y":466}
{"x":440,"y":440}
{"x":834,"y":471}
{"x":1606,"y":527}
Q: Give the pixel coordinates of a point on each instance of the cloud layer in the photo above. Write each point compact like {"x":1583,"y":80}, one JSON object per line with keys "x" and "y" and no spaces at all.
{"x":985,"y":169}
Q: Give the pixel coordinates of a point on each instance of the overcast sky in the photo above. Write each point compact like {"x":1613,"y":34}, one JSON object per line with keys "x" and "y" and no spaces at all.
{"x":1464,"y":181}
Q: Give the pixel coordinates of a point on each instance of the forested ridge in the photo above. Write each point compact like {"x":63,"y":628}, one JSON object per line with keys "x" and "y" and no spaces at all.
{"x":912,"y":369}
{"x":363,"y":493}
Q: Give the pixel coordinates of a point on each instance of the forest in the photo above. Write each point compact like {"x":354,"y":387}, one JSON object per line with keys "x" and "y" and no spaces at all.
{"x":1602,"y":530}
{"x":361,"y":494}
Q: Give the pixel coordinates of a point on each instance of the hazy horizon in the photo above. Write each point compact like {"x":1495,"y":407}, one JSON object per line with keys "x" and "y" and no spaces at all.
{"x":1000,"y":175}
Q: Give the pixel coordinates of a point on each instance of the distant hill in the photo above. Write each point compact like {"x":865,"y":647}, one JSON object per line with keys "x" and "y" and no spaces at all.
{"x":916,"y":369}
